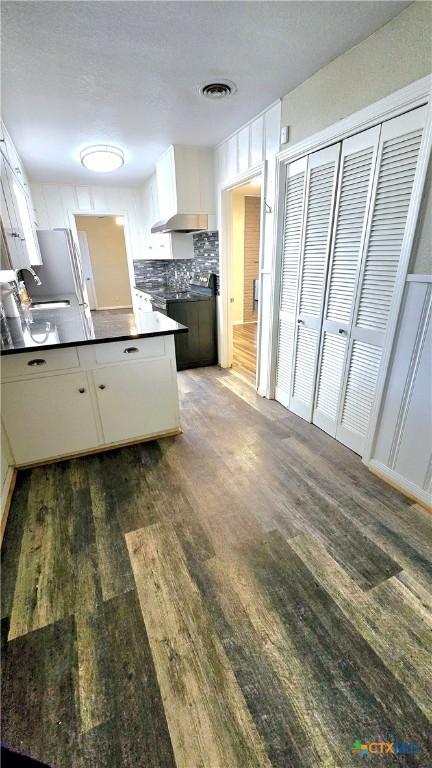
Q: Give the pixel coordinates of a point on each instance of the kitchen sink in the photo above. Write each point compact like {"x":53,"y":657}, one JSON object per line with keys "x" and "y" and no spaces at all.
{"x":50,"y":304}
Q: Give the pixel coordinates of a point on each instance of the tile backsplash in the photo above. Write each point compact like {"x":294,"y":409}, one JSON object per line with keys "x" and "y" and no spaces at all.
{"x":155,"y":273}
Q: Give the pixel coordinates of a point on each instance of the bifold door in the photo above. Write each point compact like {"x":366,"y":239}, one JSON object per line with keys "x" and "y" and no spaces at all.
{"x":304,"y":272}
{"x":356,"y":174}
{"x":332,"y":329}
{"x":394,"y":179}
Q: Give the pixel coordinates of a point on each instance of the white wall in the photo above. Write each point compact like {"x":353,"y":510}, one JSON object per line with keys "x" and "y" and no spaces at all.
{"x":397,"y":54}
{"x":7,"y":464}
{"x":252,"y":144}
{"x":402,"y":449}
{"x":54,"y":204}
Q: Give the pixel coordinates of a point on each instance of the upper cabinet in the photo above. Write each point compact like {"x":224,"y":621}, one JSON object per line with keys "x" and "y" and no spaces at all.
{"x":20,"y":247}
{"x":168,"y":245}
{"x":185,"y":181}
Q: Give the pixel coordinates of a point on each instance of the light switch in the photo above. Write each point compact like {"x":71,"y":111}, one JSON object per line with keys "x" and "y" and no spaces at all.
{"x":284,"y":135}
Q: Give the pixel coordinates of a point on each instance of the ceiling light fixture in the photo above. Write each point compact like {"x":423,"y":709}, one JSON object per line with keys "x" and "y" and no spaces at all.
{"x":102,"y":158}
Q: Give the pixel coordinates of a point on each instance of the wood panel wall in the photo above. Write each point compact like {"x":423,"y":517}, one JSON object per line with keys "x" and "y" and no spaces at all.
{"x":251,"y":255}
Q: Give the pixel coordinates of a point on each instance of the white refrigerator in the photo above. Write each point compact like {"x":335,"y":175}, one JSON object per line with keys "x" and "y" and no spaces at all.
{"x":61,"y":273}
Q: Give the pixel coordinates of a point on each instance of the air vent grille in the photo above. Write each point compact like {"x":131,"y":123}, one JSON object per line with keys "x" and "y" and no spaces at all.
{"x":218,"y":90}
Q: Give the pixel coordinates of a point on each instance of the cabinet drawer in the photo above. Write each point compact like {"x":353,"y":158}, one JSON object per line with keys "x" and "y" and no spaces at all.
{"x":135,"y":349}
{"x":38,"y":361}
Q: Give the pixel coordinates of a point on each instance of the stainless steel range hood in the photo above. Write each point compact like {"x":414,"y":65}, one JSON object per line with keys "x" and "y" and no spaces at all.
{"x":182,"y":222}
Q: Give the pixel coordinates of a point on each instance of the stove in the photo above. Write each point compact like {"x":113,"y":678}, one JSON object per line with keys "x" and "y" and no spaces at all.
{"x":195,"y":307}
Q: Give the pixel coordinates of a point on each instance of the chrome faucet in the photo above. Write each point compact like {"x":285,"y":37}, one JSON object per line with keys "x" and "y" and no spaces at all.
{"x":37,"y":279}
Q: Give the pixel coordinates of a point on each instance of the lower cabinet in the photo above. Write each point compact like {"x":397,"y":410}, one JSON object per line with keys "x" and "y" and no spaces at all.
{"x":144,"y":401}
{"x":101,"y":403}
{"x":49,"y":416}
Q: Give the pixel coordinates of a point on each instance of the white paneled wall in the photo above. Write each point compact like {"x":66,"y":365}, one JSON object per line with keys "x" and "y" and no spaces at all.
{"x":403,"y":443}
{"x":255,"y":143}
{"x":56,"y":203}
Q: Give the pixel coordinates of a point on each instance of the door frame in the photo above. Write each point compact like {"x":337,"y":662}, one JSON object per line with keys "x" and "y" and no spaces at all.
{"x":226,"y":336}
{"x":414,"y":95}
{"x":127,"y":238}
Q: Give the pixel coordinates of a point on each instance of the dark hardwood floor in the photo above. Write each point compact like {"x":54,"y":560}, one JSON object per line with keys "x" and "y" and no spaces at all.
{"x":246,"y":594}
{"x":245,"y":350}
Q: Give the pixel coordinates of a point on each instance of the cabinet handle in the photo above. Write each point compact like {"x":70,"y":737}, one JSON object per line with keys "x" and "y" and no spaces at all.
{"x":37,"y":361}
{"x":300,"y":322}
{"x":343,"y":332}
{"x":128,"y":350}
{"x":102,"y":386}
{"x":81,"y":390}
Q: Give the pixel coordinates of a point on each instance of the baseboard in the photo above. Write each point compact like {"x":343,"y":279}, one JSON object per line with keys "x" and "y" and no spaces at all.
{"x":400,"y":483}
{"x":6,"y":498}
{"x":102,"y":448}
{"x":120,"y":306}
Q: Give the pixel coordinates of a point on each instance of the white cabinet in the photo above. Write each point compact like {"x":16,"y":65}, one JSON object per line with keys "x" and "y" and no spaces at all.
{"x":170,"y":245}
{"x":17,"y":211}
{"x":185,"y":181}
{"x":111,"y":393}
{"x":141,"y":402}
{"x":142,"y":301}
{"x":49,"y":416}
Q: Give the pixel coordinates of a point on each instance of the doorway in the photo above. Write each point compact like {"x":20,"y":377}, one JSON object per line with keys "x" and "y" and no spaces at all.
{"x":104,"y":261}
{"x":244,"y":277}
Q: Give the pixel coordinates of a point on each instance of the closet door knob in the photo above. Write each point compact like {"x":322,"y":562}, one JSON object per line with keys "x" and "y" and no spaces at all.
{"x":81,"y":390}
{"x":343,"y":332}
{"x":102,"y":386}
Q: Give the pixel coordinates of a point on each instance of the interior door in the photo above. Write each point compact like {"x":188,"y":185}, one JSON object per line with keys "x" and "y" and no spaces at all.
{"x":356,"y":174}
{"x":295,"y":186}
{"x":396,"y":168}
{"x":87,"y":268}
{"x":321,"y":179}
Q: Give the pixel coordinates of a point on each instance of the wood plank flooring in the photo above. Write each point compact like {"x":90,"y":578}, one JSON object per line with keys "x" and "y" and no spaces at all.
{"x":245,"y":350}
{"x":244,"y":595}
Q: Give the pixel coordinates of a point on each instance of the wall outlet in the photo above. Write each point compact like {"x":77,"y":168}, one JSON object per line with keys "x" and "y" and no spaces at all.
{"x":284,"y":135}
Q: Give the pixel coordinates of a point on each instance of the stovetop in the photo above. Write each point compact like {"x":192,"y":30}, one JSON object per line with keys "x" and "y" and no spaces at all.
{"x":168,"y":295}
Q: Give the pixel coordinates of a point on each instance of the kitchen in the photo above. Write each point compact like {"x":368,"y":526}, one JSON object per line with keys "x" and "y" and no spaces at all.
{"x":215,"y":379}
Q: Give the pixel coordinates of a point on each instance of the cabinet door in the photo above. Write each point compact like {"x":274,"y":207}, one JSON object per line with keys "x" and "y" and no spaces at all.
{"x":391,"y":197}
{"x":48,"y":417}
{"x":290,"y":263}
{"x":356,"y":174}
{"x":166,"y":184}
{"x":137,"y":399}
{"x":318,"y":217}
{"x":13,"y":232}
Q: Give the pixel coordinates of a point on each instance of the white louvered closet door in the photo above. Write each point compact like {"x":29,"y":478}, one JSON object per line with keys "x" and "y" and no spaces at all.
{"x":321,"y":182}
{"x":396,"y":167}
{"x":291,"y":248}
{"x":356,"y":174}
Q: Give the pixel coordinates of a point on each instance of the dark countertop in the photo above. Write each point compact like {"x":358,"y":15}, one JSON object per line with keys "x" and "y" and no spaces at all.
{"x":71,"y":326}
{"x":172,"y":295}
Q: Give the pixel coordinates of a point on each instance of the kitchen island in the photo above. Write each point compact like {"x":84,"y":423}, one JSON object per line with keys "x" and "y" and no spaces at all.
{"x":69,"y":388}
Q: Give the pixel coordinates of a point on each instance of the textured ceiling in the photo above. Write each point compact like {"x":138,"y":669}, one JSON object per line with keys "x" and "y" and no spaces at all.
{"x":127,"y":73}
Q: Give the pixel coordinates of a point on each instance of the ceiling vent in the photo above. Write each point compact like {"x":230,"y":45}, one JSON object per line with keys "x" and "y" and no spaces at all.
{"x":218,"y":90}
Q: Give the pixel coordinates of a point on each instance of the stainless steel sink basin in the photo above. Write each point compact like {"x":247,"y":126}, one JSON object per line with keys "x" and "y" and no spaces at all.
{"x":50,"y":304}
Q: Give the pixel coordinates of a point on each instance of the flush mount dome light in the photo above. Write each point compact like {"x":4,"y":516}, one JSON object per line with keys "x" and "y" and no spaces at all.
{"x":218,"y":90}
{"x":102,"y":158}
